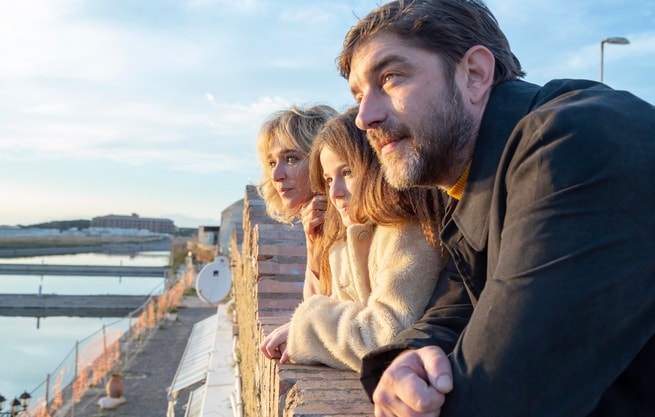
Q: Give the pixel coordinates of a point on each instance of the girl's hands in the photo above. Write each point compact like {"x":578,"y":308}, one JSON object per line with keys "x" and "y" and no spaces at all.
{"x":275,"y":344}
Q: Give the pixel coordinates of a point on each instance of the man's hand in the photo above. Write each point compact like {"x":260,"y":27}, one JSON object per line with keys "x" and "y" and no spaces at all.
{"x":415,"y":384}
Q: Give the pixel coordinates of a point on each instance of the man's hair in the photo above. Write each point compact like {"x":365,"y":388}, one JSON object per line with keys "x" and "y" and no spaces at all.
{"x":447,"y":27}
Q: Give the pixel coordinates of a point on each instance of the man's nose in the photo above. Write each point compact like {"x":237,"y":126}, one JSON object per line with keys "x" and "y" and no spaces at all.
{"x":371,"y":112}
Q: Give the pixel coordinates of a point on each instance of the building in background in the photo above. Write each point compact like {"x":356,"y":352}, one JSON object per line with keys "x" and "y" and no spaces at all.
{"x":208,"y":235}
{"x":231,"y":221}
{"x":133,"y":221}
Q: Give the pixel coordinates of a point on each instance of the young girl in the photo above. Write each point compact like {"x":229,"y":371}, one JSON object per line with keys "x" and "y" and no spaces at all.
{"x":384,"y":258}
{"x":283,"y":145}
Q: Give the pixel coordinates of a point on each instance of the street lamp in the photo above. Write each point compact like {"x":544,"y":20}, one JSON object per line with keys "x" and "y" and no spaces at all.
{"x":614,"y":40}
{"x":16,"y":405}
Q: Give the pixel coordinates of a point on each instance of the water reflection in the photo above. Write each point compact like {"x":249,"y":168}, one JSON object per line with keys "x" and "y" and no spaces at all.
{"x":78,"y":285}
{"x":33,"y":347}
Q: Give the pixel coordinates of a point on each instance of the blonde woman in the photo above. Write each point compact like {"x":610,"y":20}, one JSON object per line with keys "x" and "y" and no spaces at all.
{"x":283,"y":144}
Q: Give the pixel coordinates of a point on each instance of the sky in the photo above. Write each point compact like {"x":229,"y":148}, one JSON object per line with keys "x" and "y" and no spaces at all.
{"x":153,"y":107}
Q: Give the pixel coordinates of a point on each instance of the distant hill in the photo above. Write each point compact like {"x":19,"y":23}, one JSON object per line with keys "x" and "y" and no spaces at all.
{"x":61,"y":225}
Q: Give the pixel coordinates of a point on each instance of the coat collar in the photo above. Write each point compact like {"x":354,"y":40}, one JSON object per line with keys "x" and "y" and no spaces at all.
{"x":507,"y":104}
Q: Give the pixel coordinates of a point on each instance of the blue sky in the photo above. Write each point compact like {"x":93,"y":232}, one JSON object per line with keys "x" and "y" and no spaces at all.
{"x":153,"y":107}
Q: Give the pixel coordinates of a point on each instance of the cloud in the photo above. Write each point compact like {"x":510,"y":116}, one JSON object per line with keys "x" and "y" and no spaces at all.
{"x":241,"y":6}
{"x":307,"y":16}
{"x":30,"y":48}
{"x":54,"y":40}
{"x":641,"y":44}
{"x":145,"y":133}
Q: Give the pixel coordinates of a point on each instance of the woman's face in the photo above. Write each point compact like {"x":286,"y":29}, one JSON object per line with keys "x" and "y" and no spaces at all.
{"x":340,"y":182}
{"x":290,"y":175}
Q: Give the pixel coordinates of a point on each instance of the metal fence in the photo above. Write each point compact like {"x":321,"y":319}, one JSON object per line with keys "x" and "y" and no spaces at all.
{"x":109,"y":350}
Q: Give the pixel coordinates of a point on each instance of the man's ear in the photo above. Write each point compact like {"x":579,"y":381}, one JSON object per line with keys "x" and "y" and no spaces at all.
{"x":478,"y":64}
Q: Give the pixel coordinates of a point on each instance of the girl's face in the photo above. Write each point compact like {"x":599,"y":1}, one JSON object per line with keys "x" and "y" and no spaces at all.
{"x":290,"y":174}
{"x":340,"y":182}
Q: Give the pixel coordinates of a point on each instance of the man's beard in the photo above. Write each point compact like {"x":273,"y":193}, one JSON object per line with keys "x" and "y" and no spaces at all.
{"x":427,"y":154}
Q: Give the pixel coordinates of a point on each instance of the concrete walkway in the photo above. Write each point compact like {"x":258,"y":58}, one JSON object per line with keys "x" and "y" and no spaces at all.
{"x":151,"y":370}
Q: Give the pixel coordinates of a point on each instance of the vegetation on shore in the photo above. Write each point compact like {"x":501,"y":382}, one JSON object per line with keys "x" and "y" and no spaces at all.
{"x":178,"y":254}
{"x":60,"y":225}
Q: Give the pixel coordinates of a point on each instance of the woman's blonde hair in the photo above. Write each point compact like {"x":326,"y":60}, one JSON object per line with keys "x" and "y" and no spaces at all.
{"x":373,"y":200}
{"x":294,"y":128}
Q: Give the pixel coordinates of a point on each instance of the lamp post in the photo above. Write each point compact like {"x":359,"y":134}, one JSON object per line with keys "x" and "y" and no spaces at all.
{"x":16,"y":405}
{"x":615,"y":41}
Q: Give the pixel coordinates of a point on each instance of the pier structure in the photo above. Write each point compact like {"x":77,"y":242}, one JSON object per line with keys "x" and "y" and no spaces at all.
{"x":51,"y":305}
{"x":82,"y":270}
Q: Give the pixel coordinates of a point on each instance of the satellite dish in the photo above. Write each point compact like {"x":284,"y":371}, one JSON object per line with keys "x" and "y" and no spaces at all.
{"x":214,"y":280}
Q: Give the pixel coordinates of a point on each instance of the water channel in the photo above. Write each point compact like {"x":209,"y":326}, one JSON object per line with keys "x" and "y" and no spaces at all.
{"x":31,"y":348}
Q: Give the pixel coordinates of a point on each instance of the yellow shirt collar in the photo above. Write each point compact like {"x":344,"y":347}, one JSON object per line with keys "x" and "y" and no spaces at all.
{"x":457,"y":190}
